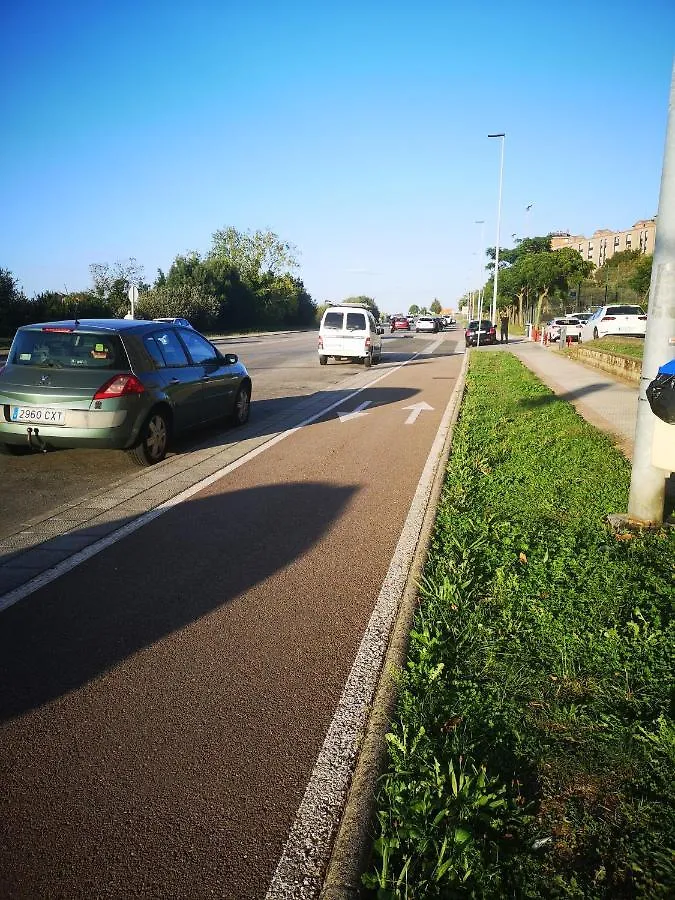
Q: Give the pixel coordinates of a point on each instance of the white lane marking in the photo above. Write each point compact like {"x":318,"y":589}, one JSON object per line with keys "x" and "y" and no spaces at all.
{"x":357,"y":412}
{"x":44,"y":578}
{"x":300,"y":870}
{"x":416,"y":410}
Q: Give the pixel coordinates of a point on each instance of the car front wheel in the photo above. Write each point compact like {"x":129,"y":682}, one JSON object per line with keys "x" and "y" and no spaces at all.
{"x":242,"y":406}
{"x":323,"y":360}
{"x":154,"y":441}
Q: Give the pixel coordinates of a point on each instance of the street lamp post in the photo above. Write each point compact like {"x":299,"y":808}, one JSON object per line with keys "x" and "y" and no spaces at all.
{"x":479,"y":303}
{"x":501,"y":136}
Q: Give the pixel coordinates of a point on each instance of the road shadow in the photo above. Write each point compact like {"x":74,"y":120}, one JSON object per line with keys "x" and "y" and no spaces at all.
{"x":193,"y":559}
{"x":568,"y":396}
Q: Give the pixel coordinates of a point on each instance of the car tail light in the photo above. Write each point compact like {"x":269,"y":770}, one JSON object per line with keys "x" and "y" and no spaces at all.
{"x":608,"y":318}
{"x":119,"y":386}
{"x":641,"y":318}
{"x":367,"y":343}
{"x":320,"y":343}
{"x":54,"y":330}
{"x":493,"y":330}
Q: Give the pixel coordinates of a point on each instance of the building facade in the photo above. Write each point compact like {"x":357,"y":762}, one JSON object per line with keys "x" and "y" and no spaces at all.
{"x":604,"y":243}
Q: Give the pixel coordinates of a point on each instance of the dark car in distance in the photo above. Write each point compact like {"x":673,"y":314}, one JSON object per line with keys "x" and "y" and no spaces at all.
{"x":483,"y":332}
{"x":115,"y":384}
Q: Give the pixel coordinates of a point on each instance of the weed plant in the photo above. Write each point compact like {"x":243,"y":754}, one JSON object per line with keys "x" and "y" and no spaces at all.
{"x":532,"y":752}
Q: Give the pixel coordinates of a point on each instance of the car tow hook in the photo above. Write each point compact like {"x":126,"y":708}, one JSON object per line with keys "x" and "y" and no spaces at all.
{"x":33,"y":435}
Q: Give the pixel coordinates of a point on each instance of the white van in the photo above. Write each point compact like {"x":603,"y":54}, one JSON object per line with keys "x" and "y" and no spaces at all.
{"x":350,"y":332}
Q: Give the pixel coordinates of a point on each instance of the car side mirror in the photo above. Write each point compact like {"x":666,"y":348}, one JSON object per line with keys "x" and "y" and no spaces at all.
{"x":230,"y":358}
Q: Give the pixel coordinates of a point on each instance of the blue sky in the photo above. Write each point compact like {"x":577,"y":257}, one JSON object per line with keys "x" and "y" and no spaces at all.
{"x":356,"y":131}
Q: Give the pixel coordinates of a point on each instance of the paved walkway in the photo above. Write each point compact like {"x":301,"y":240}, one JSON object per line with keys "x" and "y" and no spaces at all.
{"x":606,"y":402}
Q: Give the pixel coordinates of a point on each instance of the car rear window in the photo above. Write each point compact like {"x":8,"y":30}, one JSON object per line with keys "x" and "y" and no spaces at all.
{"x":333,"y":320}
{"x":68,"y":350}
{"x":624,"y":311}
{"x":356,"y":322}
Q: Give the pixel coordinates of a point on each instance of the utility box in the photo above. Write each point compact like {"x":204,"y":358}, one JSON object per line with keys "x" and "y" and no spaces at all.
{"x":663,"y":445}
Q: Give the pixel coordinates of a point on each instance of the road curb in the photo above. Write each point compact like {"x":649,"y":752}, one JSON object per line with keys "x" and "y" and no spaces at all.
{"x":351,"y":847}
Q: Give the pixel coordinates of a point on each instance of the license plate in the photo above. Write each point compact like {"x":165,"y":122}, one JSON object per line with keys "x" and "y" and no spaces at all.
{"x":38,"y":415}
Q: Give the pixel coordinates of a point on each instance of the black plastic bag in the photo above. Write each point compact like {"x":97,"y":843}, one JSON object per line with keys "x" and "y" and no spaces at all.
{"x":661,"y":396}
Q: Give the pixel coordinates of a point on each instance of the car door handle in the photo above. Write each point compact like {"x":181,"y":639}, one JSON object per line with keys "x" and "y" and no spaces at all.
{"x":175,"y":381}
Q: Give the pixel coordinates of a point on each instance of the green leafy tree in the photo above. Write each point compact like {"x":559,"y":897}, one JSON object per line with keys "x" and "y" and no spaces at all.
{"x":414,"y":310}
{"x":13,"y":303}
{"x":190,"y":301}
{"x":254,"y":253}
{"x":640,"y":280}
{"x":368,"y":302}
{"x":435,"y":307}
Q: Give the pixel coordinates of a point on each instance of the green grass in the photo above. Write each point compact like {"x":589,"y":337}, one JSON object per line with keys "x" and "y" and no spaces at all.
{"x":532,"y":752}
{"x":631,"y":347}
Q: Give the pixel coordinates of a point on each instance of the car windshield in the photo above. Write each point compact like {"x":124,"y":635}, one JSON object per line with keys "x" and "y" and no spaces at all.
{"x":484,"y":324}
{"x":66,"y":349}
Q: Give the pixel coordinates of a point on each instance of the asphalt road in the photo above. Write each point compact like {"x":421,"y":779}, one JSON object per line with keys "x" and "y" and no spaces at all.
{"x":162,"y":705}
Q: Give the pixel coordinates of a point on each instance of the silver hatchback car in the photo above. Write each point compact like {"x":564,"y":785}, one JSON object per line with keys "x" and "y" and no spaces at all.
{"x":115,"y":384}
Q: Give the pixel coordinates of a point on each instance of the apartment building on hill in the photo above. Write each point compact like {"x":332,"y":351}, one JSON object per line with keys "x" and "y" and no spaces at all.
{"x":605,"y":243}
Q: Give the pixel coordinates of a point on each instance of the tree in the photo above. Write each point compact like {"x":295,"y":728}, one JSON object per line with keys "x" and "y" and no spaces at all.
{"x":640,"y":280}
{"x":254,"y":254}
{"x":111,"y":282}
{"x":435,"y":307}
{"x":13,"y":303}
{"x":368,"y":302}
{"x":414,"y":310}
{"x":188,"y":300}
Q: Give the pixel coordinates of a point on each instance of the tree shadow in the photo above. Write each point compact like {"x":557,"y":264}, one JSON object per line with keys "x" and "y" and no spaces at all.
{"x":191,"y":560}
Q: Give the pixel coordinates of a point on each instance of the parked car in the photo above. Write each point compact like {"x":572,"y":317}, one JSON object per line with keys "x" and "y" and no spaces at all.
{"x":426,"y":323}
{"x":449,"y":321}
{"x":580,"y":317}
{"x":622,"y":319}
{"x":487,"y":332}
{"x":115,"y":384}
{"x":177,"y":321}
{"x":349,"y":332}
{"x":572,"y":328}
{"x":400,"y":323}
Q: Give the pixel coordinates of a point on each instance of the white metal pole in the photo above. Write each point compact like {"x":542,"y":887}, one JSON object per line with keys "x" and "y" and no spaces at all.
{"x":493,"y":311}
{"x":647,"y":486}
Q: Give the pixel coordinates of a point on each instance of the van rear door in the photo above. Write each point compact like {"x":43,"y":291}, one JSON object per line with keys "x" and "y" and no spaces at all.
{"x":332,"y":333}
{"x":356,"y":332}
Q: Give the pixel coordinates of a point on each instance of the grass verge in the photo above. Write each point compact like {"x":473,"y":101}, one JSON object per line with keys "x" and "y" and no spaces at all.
{"x":532,"y":752}
{"x":633,"y":348}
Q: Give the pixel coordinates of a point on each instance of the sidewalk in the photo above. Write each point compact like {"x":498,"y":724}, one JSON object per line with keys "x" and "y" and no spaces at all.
{"x":604,"y":401}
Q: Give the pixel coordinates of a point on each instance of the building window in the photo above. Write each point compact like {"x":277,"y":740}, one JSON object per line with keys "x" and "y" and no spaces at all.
{"x":616,"y":240}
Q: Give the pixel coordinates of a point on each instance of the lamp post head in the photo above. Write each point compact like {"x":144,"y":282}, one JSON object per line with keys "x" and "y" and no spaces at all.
{"x":501,"y":134}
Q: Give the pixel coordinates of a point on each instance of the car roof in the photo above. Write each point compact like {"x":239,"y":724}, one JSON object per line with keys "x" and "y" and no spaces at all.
{"x":112,"y":325}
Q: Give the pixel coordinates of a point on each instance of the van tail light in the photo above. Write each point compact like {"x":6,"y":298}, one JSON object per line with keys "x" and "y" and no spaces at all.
{"x":320,"y":343}
{"x":119,"y":386}
{"x":367,"y":343}
{"x":608,"y":318}
{"x":641,"y":318}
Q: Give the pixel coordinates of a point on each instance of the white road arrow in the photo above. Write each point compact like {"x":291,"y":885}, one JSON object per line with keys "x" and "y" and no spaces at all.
{"x":356,"y":413}
{"x":416,"y":410}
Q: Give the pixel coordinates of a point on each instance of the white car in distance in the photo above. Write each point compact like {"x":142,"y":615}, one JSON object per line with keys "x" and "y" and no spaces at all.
{"x":627,"y":320}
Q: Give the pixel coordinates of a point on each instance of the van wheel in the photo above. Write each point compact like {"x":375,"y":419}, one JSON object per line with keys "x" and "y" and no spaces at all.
{"x":323,"y":360}
{"x":367,"y":361}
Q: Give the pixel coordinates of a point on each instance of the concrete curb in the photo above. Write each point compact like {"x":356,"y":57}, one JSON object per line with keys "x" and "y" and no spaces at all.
{"x":351,"y":848}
